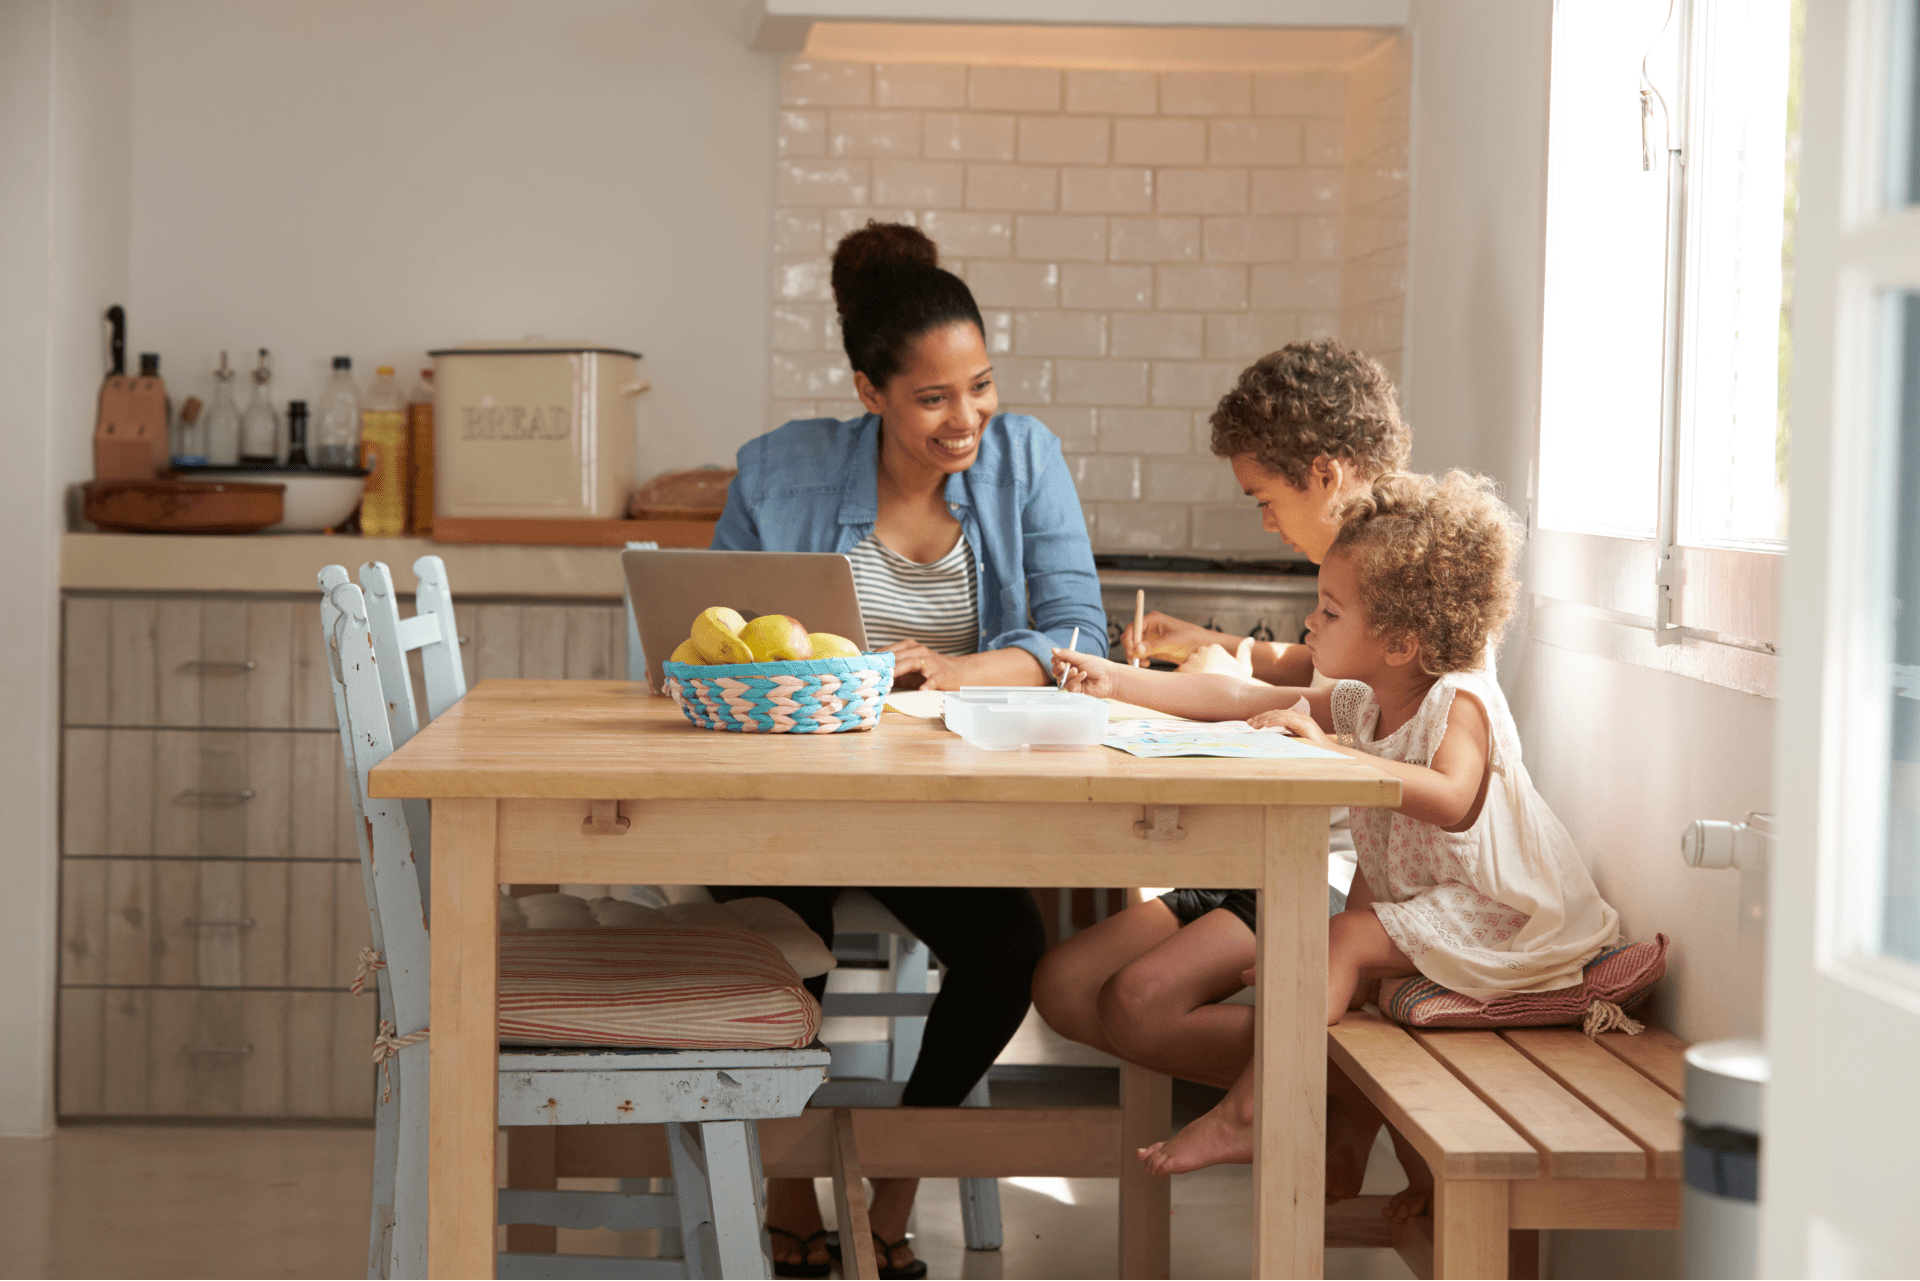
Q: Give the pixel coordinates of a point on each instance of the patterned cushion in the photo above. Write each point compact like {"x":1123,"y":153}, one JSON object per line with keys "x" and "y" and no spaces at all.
{"x":666,"y":988}
{"x":1622,"y":976}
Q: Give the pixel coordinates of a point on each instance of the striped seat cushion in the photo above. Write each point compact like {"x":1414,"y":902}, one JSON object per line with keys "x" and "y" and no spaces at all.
{"x":1622,"y":976}
{"x":667,"y":988}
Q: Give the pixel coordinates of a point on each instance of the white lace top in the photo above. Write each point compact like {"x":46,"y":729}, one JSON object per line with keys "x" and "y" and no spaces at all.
{"x":1505,"y":906}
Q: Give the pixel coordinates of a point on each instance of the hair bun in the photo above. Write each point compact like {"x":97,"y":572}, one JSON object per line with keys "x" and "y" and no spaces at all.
{"x":877,"y":248}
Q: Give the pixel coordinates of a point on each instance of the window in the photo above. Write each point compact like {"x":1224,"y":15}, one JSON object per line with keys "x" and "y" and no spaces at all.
{"x":1672,"y":162}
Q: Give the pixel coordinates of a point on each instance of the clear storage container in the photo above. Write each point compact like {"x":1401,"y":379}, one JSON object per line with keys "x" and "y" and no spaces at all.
{"x":1002,"y":718}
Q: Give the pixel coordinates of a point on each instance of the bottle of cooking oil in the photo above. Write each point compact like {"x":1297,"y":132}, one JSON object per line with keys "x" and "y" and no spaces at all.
{"x":420,"y":455}
{"x":383,"y":452}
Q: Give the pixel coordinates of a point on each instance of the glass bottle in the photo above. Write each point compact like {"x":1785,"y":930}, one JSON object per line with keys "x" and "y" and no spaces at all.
{"x":190,"y":440}
{"x":260,"y":426}
{"x":383,"y":452}
{"x":420,"y":455}
{"x":223,"y":420}
{"x":297,"y":434}
{"x":336,"y":427}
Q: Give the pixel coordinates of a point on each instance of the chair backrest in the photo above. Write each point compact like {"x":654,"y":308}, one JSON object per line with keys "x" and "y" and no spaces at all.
{"x":431,"y":630}
{"x":396,"y":895}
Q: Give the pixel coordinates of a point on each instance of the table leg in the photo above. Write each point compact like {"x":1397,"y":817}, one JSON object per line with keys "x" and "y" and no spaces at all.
{"x":1290,"y":1047}
{"x":1146,"y":1200}
{"x":463,"y":1049}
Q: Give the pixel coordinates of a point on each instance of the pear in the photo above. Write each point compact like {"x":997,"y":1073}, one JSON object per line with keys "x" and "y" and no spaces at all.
{"x":716,"y":634}
{"x":827,"y":645}
{"x":776,"y":638}
{"x":687,"y":653}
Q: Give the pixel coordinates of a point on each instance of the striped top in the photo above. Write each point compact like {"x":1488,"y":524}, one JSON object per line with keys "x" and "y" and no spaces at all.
{"x":936,"y":604}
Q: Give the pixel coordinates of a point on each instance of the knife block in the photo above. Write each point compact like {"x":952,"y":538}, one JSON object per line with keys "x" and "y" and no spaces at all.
{"x":130,"y":438}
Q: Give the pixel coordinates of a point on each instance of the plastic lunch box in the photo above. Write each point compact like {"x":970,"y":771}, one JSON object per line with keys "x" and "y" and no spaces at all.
{"x":1002,"y":718}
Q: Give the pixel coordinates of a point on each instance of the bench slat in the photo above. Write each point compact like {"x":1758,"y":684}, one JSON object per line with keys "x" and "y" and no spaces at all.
{"x":1656,"y":1054}
{"x":1573,"y":1142}
{"x":1623,"y":1096}
{"x":1460,"y":1137}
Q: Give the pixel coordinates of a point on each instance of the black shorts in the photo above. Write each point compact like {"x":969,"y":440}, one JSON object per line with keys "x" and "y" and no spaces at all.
{"x":1189,"y":906}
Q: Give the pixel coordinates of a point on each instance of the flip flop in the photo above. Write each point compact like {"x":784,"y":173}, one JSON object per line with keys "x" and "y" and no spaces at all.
{"x":802,"y":1269}
{"x":912,"y":1272}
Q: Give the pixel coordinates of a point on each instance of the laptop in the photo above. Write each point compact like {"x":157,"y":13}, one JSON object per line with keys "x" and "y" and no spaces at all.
{"x":670,"y":588}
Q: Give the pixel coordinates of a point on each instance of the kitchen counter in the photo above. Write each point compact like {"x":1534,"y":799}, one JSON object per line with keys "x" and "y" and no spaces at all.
{"x":290,"y":562}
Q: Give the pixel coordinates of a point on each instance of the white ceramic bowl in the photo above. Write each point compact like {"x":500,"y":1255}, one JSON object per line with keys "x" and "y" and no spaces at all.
{"x":315,"y":500}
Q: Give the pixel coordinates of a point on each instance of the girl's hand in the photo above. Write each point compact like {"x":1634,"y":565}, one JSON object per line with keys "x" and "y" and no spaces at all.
{"x":934,"y":671}
{"x":1164,"y":636}
{"x":1085,"y":673}
{"x":1295,"y":720}
{"x":1250,"y":975}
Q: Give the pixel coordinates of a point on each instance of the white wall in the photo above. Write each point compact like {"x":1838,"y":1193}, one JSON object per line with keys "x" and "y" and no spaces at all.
{"x":375,"y":179}
{"x":1625,"y":755}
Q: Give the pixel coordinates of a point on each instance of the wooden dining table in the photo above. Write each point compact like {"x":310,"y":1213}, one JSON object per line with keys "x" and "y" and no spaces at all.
{"x":570,"y":782}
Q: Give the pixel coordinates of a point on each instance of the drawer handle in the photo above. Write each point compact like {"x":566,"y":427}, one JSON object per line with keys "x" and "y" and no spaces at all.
{"x":194,"y":922}
{"x":245,"y":795}
{"x":219,"y":665}
{"x":219,"y":1049}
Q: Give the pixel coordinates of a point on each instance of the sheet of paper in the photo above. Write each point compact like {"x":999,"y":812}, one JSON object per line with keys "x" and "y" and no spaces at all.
{"x":927,"y":704}
{"x":1163,"y":737}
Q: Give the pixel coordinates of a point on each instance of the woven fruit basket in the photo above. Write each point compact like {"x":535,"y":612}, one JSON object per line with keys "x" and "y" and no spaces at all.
{"x":812,"y":696}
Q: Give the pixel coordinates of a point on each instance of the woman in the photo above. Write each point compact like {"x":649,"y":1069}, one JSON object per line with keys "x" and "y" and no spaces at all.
{"x":972,"y":561}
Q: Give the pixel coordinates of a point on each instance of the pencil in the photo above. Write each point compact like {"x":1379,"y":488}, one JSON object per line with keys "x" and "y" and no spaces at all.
{"x":1139,"y":621}
{"x":1072,"y":646}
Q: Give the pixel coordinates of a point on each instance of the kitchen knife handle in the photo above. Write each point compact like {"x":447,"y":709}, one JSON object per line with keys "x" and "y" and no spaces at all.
{"x":117,"y":343}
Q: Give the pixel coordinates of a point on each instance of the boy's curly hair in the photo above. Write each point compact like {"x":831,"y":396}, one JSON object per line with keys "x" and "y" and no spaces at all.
{"x":1310,"y":400}
{"x":1435,"y":559}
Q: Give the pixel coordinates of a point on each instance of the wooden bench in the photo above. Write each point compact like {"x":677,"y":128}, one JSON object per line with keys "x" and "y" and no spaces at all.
{"x":1523,"y":1129}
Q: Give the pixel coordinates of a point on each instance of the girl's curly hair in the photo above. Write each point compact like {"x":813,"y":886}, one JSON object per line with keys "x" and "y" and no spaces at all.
{"x":1311,"y":400}
{"x":1435,"y":559}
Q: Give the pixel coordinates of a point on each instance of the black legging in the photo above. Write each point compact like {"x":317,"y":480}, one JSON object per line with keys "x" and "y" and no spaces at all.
{"x":989,"y":940}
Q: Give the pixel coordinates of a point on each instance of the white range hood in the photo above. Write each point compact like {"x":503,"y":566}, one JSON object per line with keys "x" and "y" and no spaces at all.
{"x":782,"y":26}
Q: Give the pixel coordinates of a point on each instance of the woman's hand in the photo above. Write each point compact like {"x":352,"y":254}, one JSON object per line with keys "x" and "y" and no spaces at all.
{"x":1164,"y":636}
{"x":1295,"y":720}
{"x":933,"y":670}
{"x":1085,"y":673}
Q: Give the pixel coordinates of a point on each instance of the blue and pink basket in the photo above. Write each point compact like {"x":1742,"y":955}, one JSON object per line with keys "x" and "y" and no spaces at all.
{"x":811,"y":696}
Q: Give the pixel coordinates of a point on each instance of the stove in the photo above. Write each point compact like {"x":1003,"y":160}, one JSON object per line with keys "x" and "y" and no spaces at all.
{"x":1268,"y":600}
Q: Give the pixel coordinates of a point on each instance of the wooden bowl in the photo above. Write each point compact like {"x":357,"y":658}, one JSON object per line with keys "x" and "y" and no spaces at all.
{"x":182,"y":506}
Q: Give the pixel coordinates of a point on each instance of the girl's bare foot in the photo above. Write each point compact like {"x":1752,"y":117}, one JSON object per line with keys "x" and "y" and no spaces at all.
{"x":1218,"y":1138}
{"x":1349,"y":1143}
{"x":1416,"y":1199}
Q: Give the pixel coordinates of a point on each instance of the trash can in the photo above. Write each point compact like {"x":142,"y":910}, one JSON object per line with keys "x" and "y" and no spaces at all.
{"x":1720,"y":1203}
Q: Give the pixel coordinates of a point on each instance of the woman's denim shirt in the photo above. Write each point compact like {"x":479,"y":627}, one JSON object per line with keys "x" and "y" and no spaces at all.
{"x":813,"y":486}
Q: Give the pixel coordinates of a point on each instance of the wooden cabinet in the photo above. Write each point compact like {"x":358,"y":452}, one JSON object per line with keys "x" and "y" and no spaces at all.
{"x":211,"y":907}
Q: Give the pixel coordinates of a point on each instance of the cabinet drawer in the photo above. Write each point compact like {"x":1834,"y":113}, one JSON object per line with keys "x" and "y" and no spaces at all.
{"x":241,"y":662}
{"x":210,"y":923}
{"x":164,"y":1053}
{"x":212,"y":793}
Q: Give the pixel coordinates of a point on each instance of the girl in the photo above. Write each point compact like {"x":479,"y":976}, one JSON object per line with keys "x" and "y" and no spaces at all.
{"x":1471,"y":880}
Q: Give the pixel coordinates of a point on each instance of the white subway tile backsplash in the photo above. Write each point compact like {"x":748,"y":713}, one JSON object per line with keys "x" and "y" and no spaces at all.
{"x":811,"y":374}
{"x":1013,"y":88}
{"x":1299,"y":93}
{"x":969,"y":235}
{"x":919,"y":84}
{"x":1170,"y":335}
{"x":1296,"y":287}
{"x":873,"y":133}
{"x":1106,"y":288}
{"x":1206,"y":93}
{"x":781,"y":412}
{"x":1014,"y":284}
{"x":1323,"y":142}
{"x":1155,"y":240}
{"x":1189,"y":480}
{"x":1112,"y":93}
{"x":998,"y":324}
{"x":1160,"y":142}
{"x":1024,"y":385}
{"x":1254,"y":142}
{"x":1101,"y":477}
{"x":798,"y":231}
{"x":1060,"y":333}
{"x":1249,"y":335}
{"x":806,"y":83}
{"x":1193,"y":384}
{"x":1250,"y":239}
{"x":1016,"y":188}
{"x":802,"y":279}
{"x":1301,"y":191}
{"x":1144,"y":431}
{"x":1201,"y":191}
{"x":928,"y":184}
{"x":1317,"y":239}
{"x":839,"y":222}
{"x":1143,"y":527}
{"x":968,"y":135}
{"x":1234,"y":529}
{"x":823,"y":182}
{"x":1124,"y":190}
{"x":802,"y":134}
{"x":1100,"y":382}
{"x":1075,"y":425}
{"x":1060,"y":237}
{"x":796,"y":328}
{"x":1215,"y":288}
{"x":1063,"y":140}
